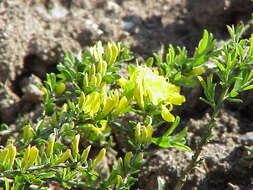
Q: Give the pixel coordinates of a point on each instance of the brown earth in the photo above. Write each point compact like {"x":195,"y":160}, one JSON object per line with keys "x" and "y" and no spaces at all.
{"x":35,"y":34}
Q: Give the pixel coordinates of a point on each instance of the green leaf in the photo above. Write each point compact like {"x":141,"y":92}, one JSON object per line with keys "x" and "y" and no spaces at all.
{"x":46,"y":175}
{"x":171,"y":56}
{"x":202,"y":82}
{"x":180,"y":135}
{"x":150,"y":62}
{"x":67,"y":74}
{"x":173,"y":127}
{"x":113,"y":69}
{"x":236,"y":100}
{"x":248,"y":87}
{"x":3,"y":127}
{"x":233,"y":93}
{"x":219,"y":65}
{"x":181,"y":147}
{"x":200,"y":60}
{"x":157,"y":58}
{"x":131,"y":69}
{"x":6,"y":184}
{"x":203,"y":43}
{"x":163,"y":142}
{"x":111,"y":78}
{"x":206,"y":101}
{"x":187,"y":82}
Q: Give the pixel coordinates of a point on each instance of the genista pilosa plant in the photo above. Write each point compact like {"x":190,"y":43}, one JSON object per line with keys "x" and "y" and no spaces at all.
{"x":93,"y":101}
{"x":83,"y":105}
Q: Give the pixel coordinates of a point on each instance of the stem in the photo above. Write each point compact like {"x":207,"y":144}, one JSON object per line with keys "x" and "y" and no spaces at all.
{"x":204,"y":140}
{"x":11,"y":173}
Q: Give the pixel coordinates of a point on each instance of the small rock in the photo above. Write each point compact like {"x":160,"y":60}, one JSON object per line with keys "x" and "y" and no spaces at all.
{"x":58,"y":11}
{"x":233,"y":187}
{"x":247,"y":138}
{"x":128,"y":25}
{"x":112,"y":6}
{"x":30,"y":88}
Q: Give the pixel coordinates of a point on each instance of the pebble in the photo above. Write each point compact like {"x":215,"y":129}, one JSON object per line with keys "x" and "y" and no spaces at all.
{"x":31,"y":90}
{"x":112,"y":6}
{"x":247,"y":138}
{"x":128,"y":25}
{"x":58,"y":11}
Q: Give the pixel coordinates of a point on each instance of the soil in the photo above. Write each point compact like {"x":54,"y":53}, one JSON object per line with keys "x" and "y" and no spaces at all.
{"x":35,"y":34}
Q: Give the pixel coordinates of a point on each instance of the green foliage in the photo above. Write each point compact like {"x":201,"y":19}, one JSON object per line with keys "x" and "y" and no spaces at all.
{"x":233,"y":71}
{"x":82,"y":105}
{"x":89,"y":100}
{"x":177,"y":141}
{"x":231,"y":74}
{"x":181,"y":69}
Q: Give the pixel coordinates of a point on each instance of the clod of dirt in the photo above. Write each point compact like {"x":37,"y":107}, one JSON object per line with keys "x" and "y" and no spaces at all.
{"x":8,"y":104}
{"x":31,"y":90}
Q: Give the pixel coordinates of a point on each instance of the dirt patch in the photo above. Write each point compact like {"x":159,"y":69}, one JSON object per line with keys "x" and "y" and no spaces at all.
{"x":225,"y":164}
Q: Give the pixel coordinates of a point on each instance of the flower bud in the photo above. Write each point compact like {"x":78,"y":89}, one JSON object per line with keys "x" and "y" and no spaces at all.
{"x":28,"y":133}
{"x":34,"y":152}
{"x":99,"y":157}
{"x":127,"y":159}
{"x":59,"y":88}
{"x":4,"y":155}
{"x":93,"y":80}
{"x":144,"y":135}
{"x":99,"y":67}
{"x":98,"y":79}
{"x":138,"y":94}
{"x":85,"y":81}
{"x":11,"y":156}
{"x":92,"y":70}
{"x":123,"y":103}
{"x":119,"y":181}
{"x":97,"y":51}
{"x":104,"y":68}
{"x":25,"y":157}
{"x":149,"y":132}
{"x":111,"y":53}
{"x":95,"y":106}
{"x":85,"y":154}
{"x":116,"y":97}
{"x":109,"y":105}
{"x":75,"y":145}
{"x":88,"y":102}
{"x":137,"y":133}
{"x":120,"y":165}
{"x":50,"y":145}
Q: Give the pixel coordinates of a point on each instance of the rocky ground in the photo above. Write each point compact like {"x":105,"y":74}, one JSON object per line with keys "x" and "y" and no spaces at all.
{"x":35,"y":34}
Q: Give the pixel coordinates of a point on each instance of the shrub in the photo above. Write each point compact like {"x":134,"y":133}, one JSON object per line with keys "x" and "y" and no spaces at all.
{"x":86,"y":105}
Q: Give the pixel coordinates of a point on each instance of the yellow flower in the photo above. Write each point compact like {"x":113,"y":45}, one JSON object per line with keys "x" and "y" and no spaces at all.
{"x":166,"y":115}
{"x":149,"y":87}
